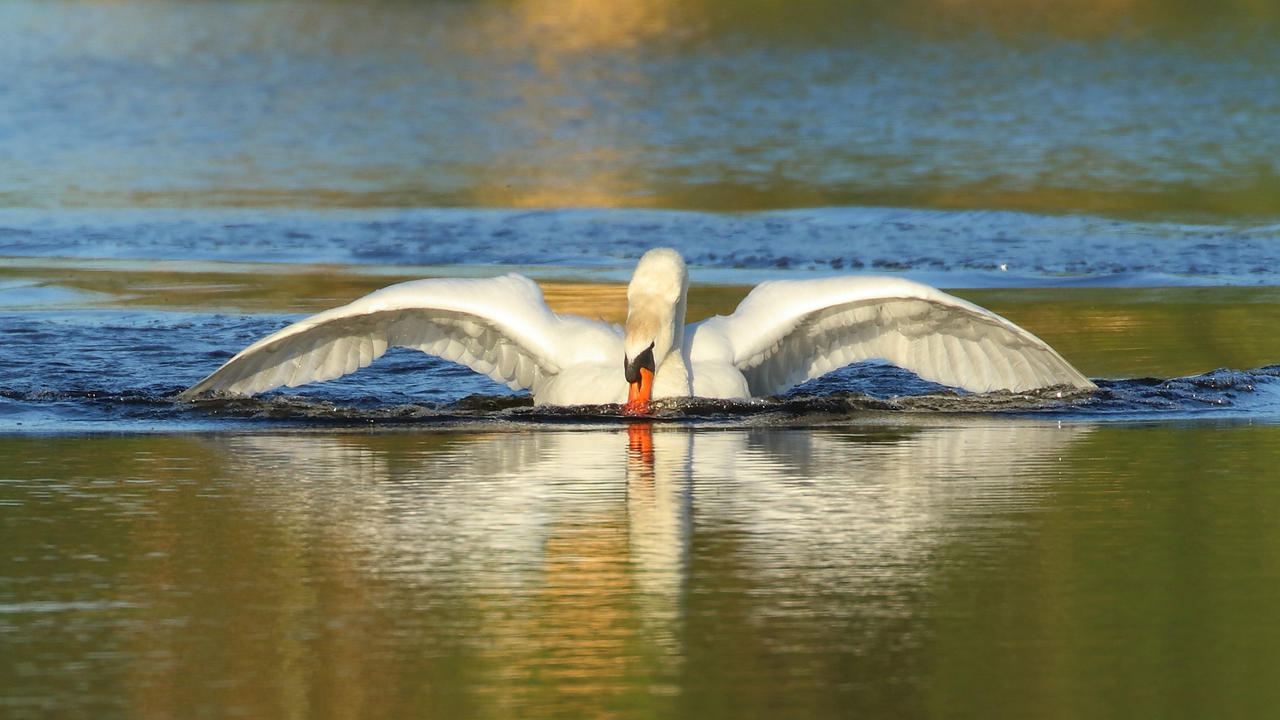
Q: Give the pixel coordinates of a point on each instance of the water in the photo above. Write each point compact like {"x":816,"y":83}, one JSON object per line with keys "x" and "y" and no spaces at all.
{"x":950,"y":248}
{"x":180,"y":179}
{"x":413,"y":539}
{"x":1162,"y":108}
{"x":904,"y":567}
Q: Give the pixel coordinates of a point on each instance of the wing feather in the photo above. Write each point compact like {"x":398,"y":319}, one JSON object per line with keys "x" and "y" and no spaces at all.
{"x":786,"y":332}
{"x":496,"y":326}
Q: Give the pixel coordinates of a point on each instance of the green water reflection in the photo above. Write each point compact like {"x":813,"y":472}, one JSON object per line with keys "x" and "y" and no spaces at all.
{"x":975,"y":568}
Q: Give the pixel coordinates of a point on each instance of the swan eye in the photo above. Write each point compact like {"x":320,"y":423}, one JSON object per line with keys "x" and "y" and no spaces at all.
{"x":631,"y":368}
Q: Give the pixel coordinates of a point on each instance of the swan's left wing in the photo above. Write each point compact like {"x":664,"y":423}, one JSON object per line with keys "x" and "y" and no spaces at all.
{"x":496,"y":326}
{"x":788,"y":331}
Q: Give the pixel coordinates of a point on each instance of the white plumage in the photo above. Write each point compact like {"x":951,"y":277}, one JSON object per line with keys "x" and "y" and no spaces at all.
{"x":783,"y":333}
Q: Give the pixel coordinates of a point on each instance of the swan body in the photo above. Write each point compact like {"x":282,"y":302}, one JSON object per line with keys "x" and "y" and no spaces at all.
{"x":783,"y":333}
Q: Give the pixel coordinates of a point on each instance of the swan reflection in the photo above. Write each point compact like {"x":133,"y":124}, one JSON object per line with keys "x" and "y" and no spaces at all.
{"x":571,"y":546}
{"x":444,"y":504}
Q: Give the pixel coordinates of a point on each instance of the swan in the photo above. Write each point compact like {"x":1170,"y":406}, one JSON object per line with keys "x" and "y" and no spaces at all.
{"x":783,"y":333}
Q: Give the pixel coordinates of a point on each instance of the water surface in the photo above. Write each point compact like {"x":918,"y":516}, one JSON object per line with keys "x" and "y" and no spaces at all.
{"x":179,"y":179}
{"x":1159,"y":108}
{"x":905,"y":568}
{"x":405,"y":541}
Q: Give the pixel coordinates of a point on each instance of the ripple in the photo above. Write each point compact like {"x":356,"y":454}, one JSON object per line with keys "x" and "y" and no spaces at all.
{"x":947,"y":248}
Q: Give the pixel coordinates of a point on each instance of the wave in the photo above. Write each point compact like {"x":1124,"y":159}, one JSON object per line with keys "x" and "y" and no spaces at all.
{"x":954,"y":248}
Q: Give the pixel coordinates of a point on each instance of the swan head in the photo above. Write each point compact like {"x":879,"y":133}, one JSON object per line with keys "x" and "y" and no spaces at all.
{"x":655,"y":322}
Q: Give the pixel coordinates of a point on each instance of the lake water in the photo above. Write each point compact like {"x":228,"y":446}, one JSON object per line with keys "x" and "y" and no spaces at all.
{"x":177,"y":180}
{"x":891,"y":566}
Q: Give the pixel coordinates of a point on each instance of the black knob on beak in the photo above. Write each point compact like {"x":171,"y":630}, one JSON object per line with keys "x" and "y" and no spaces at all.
{"x":631,"y":368}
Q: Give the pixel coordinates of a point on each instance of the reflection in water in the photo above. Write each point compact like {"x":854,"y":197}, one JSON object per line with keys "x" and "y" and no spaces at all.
{"x":659,"y":505}
{"x":558,"y":566}
{"x":991,"y":568}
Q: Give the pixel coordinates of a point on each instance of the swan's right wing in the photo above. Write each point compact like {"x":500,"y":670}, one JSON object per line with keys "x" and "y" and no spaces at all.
{"x":788,"y":331}
{"x":499,"y":327}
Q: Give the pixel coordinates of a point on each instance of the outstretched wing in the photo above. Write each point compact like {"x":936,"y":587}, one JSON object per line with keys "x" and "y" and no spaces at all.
{"x":499,"y":327}
{"x":788,"y":331}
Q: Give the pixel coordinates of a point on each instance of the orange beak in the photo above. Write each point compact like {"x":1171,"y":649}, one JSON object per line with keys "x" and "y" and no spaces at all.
{"x":639,"y":393}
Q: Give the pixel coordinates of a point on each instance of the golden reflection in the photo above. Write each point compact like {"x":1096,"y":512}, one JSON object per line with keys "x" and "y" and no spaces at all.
{"x":602,"y":190}
{"x":583,"y":579}
{"x":1147,"y":332}
{"x":576,"y":26}
{"x":597,"y":301}
{"x":581,"y":159}
{"x":617,"y":178}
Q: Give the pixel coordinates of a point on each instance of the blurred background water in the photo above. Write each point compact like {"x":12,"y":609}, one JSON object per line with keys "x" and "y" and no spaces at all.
{"x":180,"y":178}
{"x":1161,"y":107}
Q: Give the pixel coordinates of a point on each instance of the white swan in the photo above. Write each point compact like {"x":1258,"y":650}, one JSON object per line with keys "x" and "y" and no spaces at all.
{"x":783,"y":333}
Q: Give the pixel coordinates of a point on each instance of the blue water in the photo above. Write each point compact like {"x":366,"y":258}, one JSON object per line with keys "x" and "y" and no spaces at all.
{"x":1156,"y":109}
{"x":946,"y":248}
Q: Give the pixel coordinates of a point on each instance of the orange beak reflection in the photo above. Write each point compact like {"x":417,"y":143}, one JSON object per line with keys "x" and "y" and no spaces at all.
{"x":640,"y":446}
{"x":639,"y":393}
